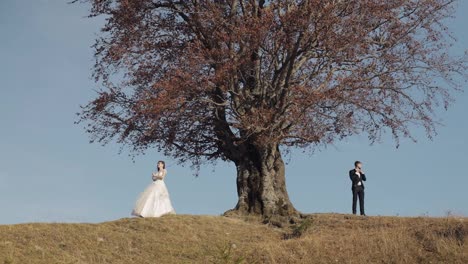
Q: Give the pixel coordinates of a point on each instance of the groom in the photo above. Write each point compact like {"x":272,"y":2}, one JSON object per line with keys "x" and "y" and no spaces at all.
{"x":357,"y":177}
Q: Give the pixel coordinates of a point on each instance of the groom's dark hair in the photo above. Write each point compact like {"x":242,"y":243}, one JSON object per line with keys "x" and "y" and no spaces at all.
{"x":356,"y":163}
{"x":163,"y":163}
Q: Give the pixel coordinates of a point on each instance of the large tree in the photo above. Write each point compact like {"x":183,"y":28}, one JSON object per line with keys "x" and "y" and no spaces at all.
{"x":242,"y":80}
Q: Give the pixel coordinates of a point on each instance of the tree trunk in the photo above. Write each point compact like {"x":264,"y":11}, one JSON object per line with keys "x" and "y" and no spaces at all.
{"x":261,"y":184}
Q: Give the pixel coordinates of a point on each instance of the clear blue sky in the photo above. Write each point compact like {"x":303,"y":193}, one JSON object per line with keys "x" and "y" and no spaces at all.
{"x":49,"y":171}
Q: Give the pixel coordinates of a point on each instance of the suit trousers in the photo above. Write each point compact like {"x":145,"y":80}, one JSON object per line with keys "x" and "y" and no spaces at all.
{"x":358,"y":192}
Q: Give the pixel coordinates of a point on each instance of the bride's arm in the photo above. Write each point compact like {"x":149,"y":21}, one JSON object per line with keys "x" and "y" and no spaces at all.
{"x":162,"y":175}
{"x":159,"y":175}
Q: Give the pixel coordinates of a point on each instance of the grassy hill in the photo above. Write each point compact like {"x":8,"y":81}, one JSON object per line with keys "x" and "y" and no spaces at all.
{"x":323,"y":238}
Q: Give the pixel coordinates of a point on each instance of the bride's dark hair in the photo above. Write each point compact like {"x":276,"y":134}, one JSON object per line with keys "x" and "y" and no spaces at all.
{"x":163,"y":163}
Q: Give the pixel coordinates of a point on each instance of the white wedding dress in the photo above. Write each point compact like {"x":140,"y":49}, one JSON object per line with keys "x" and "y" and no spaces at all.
{"x":154,"y":201}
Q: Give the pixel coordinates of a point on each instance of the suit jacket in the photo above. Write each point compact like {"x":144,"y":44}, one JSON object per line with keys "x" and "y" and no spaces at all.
{"x":355,"y":179}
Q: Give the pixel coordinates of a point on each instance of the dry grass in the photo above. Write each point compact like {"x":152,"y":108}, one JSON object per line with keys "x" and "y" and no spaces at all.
{"x":324,"y":238}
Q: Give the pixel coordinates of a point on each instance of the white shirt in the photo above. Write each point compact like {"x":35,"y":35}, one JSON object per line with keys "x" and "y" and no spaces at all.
{"x":359,"y":182}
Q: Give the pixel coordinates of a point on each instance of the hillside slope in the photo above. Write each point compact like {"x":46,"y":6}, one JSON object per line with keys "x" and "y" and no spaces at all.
{"x":325,"y":238}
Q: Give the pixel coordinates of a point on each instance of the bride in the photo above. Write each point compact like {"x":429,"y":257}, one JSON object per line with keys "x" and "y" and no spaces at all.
{"x":154,"y":201}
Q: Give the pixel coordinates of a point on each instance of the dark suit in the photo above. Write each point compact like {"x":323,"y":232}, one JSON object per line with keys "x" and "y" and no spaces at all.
{"x":358,"y":190}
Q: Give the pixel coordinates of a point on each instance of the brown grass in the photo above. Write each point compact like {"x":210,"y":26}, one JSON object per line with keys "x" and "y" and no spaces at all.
{"x":323,"y":238}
